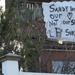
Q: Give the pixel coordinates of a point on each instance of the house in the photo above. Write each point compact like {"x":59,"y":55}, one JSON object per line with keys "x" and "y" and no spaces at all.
{"x":56,"y":57}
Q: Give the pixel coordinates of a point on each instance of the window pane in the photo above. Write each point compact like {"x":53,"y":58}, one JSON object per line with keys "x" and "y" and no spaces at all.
{"x":66,"y":67}
{"x":57,"y":66}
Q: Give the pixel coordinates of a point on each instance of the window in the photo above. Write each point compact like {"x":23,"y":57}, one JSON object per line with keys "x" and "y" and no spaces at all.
{"x":64,"y":67}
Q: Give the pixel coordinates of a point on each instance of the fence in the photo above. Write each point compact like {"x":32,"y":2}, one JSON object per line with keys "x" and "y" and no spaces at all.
{"x":10,"y":66}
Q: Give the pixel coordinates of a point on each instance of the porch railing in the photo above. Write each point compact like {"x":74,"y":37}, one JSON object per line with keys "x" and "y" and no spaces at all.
{"x":33,"y":10}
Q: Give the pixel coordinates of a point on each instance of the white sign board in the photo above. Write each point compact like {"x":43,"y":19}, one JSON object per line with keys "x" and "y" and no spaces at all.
{"x":59,"y":20}
{"x":2,"y":4}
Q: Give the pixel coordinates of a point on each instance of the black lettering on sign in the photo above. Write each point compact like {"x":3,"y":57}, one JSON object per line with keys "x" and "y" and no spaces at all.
{"x":72,"y":22}
{"x":53,"y":22}
{"x":66,"y":22}
{"x":67,"y":32}
{"x":69,"y":15}
{"x":53,"y":8}
{"x":72,"y":9}
{"x":54,"y":16}
{"x":71,"y":33}
{"x":58,"y":32}
{"x":50,"y":33}
{"x":51,"y":16}
{"x":56,"y":21}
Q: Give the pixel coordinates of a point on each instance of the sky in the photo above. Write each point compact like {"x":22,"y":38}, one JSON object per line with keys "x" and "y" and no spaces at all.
{"x":2,"y":3}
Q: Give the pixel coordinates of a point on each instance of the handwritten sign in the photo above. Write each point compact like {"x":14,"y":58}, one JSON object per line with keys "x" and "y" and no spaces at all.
{"x":2,"y":4}
{"x":59,"y":20}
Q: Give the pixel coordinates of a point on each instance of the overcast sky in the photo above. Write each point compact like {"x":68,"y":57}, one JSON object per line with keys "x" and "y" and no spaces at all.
{"x":2,"y":3}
